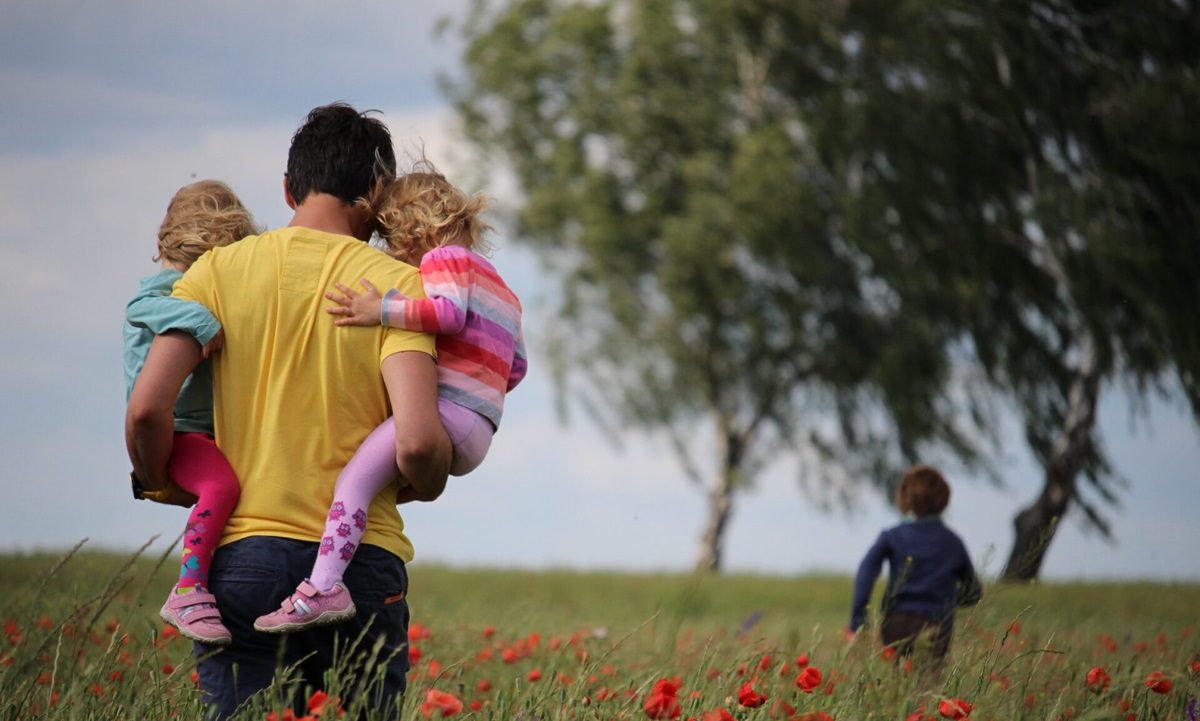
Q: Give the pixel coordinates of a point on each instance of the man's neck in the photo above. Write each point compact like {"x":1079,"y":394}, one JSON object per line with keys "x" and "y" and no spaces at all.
{"x":327,"y":213}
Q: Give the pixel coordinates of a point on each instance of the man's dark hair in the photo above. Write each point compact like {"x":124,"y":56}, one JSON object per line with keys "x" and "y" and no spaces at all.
{"x":339,"y":151}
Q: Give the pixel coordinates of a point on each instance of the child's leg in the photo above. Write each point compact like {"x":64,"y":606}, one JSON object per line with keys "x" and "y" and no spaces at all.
{"x":470,"y":434}
{"x":371,"y":469}
{"x":198,"y":466}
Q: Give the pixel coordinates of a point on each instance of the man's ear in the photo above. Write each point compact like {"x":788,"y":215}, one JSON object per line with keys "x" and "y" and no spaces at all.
{"x":287,"y":194}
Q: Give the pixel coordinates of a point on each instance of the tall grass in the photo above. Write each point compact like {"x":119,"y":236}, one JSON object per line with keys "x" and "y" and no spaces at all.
{"x":83,"y":641}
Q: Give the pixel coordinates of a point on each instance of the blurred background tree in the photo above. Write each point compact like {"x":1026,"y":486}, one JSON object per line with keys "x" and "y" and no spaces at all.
{"x":848,"y":233}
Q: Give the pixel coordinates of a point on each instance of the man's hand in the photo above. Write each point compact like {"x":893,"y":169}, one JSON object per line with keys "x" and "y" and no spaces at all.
{"x":171,"y":495}
{"x":356,"y":308}
{"x":406,"y":494}
{"x":214,"y":345}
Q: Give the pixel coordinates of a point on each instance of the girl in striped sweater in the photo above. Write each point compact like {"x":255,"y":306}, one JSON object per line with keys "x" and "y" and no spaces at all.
{"x":428,"y":222}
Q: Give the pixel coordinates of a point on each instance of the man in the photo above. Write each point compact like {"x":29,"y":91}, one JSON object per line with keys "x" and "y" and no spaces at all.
{"x":295,"y":395}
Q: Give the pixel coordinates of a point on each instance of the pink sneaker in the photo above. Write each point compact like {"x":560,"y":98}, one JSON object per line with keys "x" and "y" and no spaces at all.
{"x":308,"y":607}
{"x":196,"y":616}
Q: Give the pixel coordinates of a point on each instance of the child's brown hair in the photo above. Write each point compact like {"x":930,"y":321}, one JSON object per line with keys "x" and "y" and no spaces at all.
{"x":923,"y":492}
{"x":421,"y":210}
{"x":202,"y":215}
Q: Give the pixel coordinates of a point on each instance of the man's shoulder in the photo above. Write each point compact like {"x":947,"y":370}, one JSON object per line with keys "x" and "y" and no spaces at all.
{"x":377,"y":266}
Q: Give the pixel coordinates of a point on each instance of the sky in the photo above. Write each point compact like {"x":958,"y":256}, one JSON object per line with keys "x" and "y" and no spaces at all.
{"x":109,"y":107}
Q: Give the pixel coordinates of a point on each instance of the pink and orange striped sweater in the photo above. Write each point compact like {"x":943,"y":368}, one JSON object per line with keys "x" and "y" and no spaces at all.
{"x":477,"y":319}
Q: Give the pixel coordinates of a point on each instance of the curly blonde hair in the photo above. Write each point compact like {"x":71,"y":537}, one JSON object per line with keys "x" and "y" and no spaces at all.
{"x":202,"y":215}
{"x":421,"y":210}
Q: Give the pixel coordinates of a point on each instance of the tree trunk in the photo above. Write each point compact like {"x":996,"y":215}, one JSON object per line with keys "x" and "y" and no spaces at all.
{"x":1036,"y":525}
{"x":720,"y":506}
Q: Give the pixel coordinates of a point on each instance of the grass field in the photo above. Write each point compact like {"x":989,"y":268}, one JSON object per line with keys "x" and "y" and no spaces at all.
{"x":84,"y":642}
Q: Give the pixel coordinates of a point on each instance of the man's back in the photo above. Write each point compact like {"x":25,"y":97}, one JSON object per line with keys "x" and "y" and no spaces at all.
{"x":296,"y":395}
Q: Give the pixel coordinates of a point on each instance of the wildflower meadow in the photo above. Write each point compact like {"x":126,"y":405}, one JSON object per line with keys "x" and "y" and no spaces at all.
{"x":83,"y":641}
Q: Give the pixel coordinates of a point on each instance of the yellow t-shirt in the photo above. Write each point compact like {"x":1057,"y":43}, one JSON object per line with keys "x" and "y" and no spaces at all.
{"x":295,"y":395}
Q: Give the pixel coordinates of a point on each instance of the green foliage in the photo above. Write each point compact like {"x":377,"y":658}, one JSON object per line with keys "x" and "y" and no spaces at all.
{"x":83,"y":641}
{"x":677,"y":167}
{"x":849,"y":228}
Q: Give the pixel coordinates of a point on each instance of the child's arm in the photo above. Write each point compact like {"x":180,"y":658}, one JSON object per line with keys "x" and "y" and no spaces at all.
{"x":864,"y":581}
{"x":448,"y":278}
{"x":969,"y":589}
{"x":442,"y":314}
{"x":161,"y":313}
{"x":520,"y":364}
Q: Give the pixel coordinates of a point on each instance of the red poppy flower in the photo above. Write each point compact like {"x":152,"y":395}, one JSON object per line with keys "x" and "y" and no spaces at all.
{"x":954,"y":708}
{"x":888,"y":653}
{"x":750,"y":698}
{"x":802,"y":660}
{"x":717,"y":714}
{"x":1098,"y":679}
{"x":440,"y":702}
{"x":534,"y":675}
{"x":809,"y":679}
{"x":781,"y":709}
{"x":1158,"y":682}
{"x":483,"y":686}
{"x":489,"y":631}
{"x":318,"y":701}
{"x":416,"y":632}
{"x":663,"y":700}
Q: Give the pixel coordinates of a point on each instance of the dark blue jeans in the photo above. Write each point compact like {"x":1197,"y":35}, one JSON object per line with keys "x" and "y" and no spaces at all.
{"x":252,"y":576}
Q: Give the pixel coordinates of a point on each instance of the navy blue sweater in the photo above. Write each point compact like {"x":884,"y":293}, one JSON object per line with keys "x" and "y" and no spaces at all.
{"x":929,"y":571}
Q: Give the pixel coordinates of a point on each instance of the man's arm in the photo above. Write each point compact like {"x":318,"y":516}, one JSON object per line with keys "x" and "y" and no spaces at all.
{"x":150,"y":417}
{"x":422,"y":446}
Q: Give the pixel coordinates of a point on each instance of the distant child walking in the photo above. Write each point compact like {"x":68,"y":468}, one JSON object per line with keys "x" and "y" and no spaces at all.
{"x":929,"y":571}
{"x":425,"y":221}
{"x":202,"y":215}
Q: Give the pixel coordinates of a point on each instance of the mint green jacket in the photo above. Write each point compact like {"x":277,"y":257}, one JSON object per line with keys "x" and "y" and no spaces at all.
{"x":153,"y":312}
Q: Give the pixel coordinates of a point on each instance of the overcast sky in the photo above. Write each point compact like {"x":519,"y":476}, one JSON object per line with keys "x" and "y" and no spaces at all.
{"x":109,"y":107}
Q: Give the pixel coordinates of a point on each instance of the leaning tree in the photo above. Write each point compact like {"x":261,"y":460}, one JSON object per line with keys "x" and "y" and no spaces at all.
{"x":840,"y":231}
{"x":684,"y":178}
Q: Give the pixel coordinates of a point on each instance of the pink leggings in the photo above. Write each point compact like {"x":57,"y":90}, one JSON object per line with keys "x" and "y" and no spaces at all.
{"x":372,"y":468}
{"x":198,"y":467}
